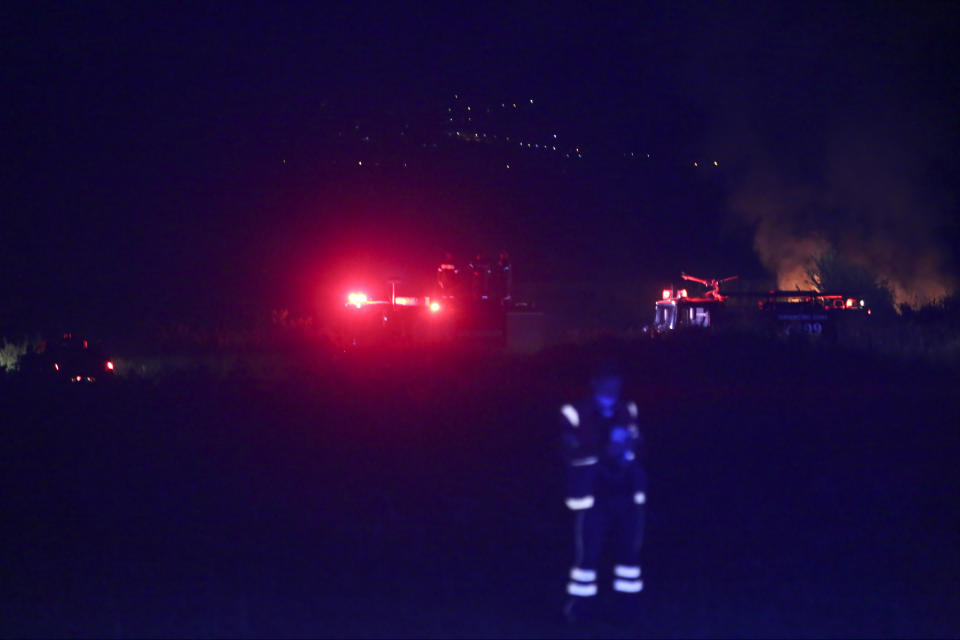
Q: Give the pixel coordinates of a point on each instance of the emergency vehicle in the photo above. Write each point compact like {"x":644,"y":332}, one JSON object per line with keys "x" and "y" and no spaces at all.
{"x":69,"y":359}
{"x":812,"y":313}
{"x":396,"y":315}
{"x":372,"y":316}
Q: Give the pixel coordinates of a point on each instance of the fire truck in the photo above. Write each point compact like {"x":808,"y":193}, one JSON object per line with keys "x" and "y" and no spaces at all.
{"x":812,"y":313}
{"x":377,"y":315}
{"x":393,"y":314}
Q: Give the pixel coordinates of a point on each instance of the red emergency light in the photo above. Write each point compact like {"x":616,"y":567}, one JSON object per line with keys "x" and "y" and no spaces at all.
{"x":850,"y":303}
{"x":434,"y":307}
{"x":109,"y":366}
{"x":683,"y":293}
{"x":667,"y":293}
{"x":357,"y":299}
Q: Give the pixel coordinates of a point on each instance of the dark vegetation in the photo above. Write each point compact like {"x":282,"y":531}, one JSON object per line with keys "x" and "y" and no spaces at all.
{"x":797,"y":490}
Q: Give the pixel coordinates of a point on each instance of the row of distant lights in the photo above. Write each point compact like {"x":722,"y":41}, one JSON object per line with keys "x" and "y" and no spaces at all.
{"x":528,"y":145}
{"x":470,"y":118}
{"x":696,"y":163}
{"x":545,"y":147}
{"x":502,"y":104}
{"x":456,"y":96}
{"x":579,"y":155}
{"x":477,"y":136}
{"x":376,"y":164}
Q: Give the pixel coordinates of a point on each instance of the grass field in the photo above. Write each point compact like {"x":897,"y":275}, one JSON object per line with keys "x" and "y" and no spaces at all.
{"x":796,"y":490}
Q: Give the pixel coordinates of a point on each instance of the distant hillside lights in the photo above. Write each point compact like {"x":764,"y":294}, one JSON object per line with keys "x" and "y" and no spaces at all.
{"x":564,"y":151}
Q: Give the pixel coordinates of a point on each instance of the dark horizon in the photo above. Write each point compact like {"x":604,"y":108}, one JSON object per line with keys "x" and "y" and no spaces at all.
{"x":160,"y":158}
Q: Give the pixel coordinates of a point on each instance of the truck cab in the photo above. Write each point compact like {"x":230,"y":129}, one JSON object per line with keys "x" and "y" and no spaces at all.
{"x":676,"y":310}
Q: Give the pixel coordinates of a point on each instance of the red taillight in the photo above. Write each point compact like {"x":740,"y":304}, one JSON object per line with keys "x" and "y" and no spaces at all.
{"x":434,"y":307}
{"x":109,"y":366}
{"x":850,"y":303}
{"x":667,"y":293}
{"x":56,"y":366}
{"x":683,"y":293}
{"x":357,"y":299}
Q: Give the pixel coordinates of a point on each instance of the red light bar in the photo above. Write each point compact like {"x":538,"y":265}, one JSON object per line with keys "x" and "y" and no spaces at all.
{"x":357,"y":299}
{"x":406,"y":301}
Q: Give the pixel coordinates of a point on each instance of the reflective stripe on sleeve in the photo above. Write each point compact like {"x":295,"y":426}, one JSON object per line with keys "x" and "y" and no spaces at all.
{"x":626,"y":571}
{"x":576,"y":504}
{"x":571,"y":414}
{"x":640,"y":498}
{"x":628,"y":586}
{"x":632,"y":408}
{"x":582,"y":590}
{"x":583,"y":462}
{"x":583,"y":575}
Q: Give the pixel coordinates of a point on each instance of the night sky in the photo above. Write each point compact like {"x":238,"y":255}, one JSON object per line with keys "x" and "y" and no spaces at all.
{"x":178,"y":161}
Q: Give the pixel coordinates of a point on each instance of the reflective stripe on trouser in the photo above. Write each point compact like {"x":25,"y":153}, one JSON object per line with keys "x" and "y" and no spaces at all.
{"x":616,"y":521}
{"x":579,"y":504}
{"x":581,"y":589}
{"x":628,"y":586}
{"x":631,"y":572}
{"x":583,"y":575}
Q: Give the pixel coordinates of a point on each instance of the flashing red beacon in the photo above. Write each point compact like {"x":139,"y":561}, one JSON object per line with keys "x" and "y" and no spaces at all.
{"x":357,"y":299}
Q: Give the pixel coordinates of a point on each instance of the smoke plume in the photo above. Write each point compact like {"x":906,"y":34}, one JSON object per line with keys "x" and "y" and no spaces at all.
{"x":874,"y":201}
{"x":843,"y":134}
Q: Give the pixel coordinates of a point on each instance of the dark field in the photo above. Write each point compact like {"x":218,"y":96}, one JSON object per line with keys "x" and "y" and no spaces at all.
{"x":795,"y":491}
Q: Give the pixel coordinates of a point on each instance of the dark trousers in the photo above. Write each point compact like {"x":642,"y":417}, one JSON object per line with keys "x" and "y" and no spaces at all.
{"x":616,"y":520}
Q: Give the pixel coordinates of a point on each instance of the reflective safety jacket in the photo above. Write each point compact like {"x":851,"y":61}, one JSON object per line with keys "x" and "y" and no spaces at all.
{"x":603,"y":455}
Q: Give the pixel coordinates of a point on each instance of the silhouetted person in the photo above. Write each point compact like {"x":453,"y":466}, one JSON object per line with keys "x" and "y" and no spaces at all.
{"x":448,"y":276}
{"x":606,"y":490}
{"x":480,"y":273}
